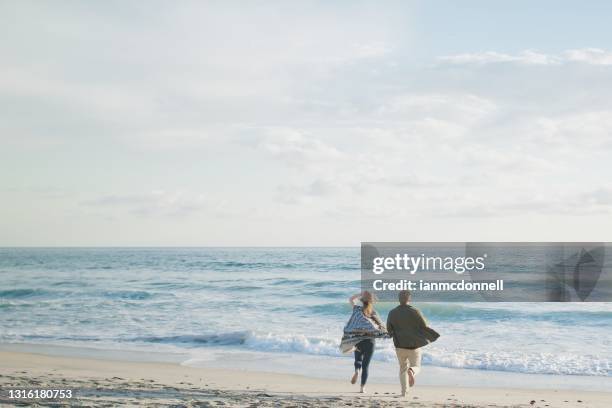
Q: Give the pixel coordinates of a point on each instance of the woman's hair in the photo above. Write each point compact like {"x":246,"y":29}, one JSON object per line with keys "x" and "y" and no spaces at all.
{"x":368,"y":302}
{"x":368,"y":307}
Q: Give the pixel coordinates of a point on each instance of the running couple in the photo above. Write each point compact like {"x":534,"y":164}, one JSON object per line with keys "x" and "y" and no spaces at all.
{"x":404,"y":323}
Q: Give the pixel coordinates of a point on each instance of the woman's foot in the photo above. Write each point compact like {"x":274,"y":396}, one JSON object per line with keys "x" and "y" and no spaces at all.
{"x":354,"y":377}
{"x":362,"y":390}
{"x":410,"y":377}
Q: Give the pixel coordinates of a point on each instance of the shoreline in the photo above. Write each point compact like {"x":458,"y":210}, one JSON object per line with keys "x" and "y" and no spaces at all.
{"x":109,"y":382}
{"x":320,"y":367}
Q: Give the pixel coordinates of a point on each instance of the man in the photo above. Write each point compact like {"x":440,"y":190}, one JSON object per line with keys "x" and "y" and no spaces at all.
{"x":410,"y":332}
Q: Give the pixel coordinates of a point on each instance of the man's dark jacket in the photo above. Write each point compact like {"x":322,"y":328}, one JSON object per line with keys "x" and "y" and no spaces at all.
{"x":408,"y":328}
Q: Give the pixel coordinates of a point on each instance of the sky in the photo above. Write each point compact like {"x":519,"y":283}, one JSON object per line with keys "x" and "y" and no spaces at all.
{"x":311,"y":123}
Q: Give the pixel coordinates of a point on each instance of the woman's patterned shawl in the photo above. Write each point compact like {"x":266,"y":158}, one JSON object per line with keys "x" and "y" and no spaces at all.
{"x":360,"y":327}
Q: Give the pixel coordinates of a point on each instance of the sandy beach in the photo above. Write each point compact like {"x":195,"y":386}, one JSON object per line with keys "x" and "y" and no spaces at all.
{"x":109,"y":383}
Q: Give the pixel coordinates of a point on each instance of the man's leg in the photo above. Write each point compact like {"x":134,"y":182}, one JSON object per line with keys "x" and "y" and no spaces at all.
{"x":414,"y":357}
{"x":402,"y":358}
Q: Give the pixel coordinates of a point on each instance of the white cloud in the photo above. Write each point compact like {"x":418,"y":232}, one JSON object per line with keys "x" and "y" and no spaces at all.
{"x":295,"y":147}
{"x":302,"y":194}
{"x":578,"y":131}
{"x":588,"y":203}
{"x":600,"y":197}
{"x":172,"y":139}
{"x":336,"y":111}
{"x":591,"y":56}
{"x":171,"y":76}
{"x":433,"y":110}
{"x":527,"y":57}
{"x":371,"y":50}
{"x":153,"y":203}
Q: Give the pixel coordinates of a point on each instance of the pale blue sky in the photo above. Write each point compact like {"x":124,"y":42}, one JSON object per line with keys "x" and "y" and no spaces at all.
{"x":304,"y":123}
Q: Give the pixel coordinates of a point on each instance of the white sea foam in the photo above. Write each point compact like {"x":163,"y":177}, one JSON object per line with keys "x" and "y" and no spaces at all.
{"x":509,"y":360}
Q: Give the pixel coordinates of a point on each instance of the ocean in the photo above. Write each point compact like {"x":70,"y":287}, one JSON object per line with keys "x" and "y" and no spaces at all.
{"x":252,"y":307}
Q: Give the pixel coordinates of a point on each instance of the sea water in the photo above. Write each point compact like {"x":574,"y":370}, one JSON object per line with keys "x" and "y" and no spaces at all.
{"x":279,"y":309}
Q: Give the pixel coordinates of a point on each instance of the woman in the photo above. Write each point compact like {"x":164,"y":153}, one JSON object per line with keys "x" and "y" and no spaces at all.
{"x":360,"y":333}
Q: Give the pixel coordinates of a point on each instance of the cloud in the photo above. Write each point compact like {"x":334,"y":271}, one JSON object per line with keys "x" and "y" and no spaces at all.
{"x":578,"y":131}
{"x":482,"y":158}
{"x":295,"y":147}
{"x":339,"y":108}
{"x":600,"y":197}
{"x":588,"y":203}
{"x":527,"y":57}
{"x":371,"y":50}
{"x":172,"y":77}
{"x":170,"y":139}
{"x":300,"y":194}
{"x":153,"y":203}
{"x":591,"y":56}
{"x":445,"y":115}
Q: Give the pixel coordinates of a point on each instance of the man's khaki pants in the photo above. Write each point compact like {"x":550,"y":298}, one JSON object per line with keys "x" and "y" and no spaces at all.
{"x":408,"y":359}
